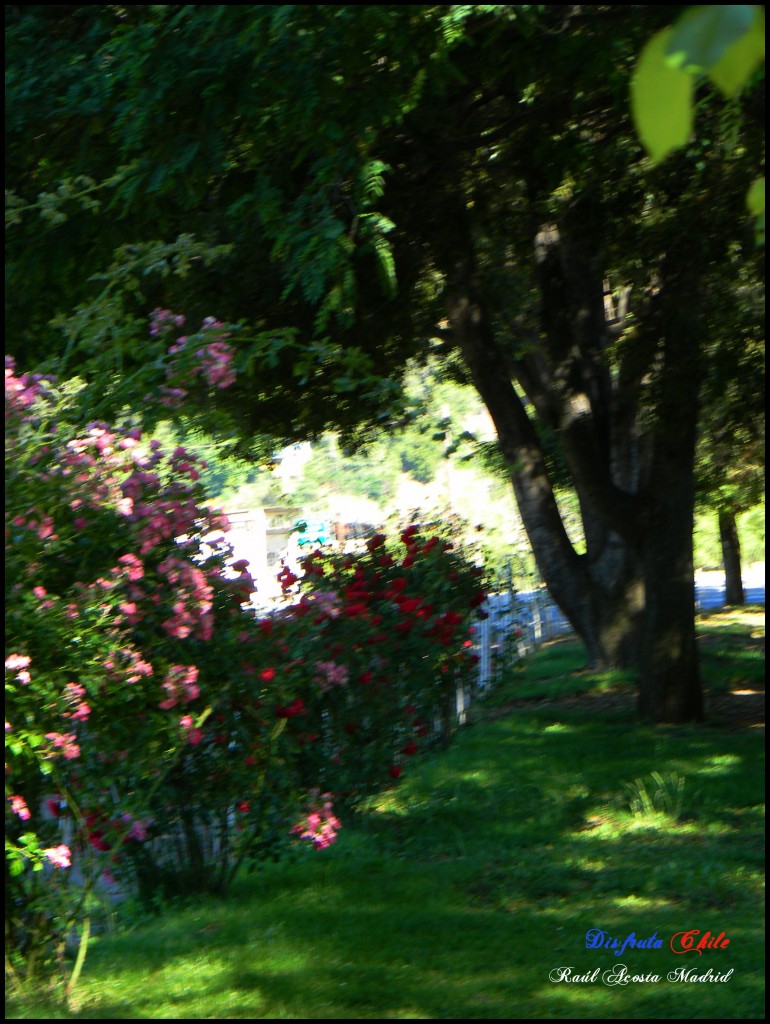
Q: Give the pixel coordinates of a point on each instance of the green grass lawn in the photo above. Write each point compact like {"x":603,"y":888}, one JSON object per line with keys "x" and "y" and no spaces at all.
{"x":458,"y":894}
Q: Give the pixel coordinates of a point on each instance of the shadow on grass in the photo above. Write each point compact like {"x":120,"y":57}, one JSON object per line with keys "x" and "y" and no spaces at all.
{"x":456,"y":895}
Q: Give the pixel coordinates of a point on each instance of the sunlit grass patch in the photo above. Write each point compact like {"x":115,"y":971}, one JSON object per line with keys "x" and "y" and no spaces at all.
{"x":454,"y":894}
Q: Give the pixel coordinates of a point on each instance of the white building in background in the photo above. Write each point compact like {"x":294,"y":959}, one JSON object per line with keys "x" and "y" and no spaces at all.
{"x":266,"y":538}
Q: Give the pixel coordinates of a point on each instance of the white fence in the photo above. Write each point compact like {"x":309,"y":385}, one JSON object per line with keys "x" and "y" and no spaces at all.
{"x":518,"y":623}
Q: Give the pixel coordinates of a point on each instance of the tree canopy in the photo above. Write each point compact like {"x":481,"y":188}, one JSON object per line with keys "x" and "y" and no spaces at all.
{"x":362,"y":186}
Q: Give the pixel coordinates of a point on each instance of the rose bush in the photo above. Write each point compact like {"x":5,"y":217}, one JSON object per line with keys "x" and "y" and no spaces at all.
{"x":121,"y":645}
{"x":372,"y":652}
{"x":156,"y":730}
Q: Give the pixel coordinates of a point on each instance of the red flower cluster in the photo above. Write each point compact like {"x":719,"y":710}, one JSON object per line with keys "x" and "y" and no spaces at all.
{"x":297,"y":707}
{"x":370,"y":639}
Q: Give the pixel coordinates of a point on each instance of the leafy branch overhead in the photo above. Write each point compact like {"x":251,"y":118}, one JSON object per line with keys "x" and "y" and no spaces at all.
{"x":381,"y":184}
{"x":721,"y":43}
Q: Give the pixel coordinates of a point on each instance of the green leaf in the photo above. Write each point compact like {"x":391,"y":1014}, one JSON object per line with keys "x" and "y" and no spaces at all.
{"x":661,"y":99}
{"x":741,"y":60}
{"x":386,"y":267}
{"x":759,"y":229}
{"x":702,"y":36}
{"x":755,"y":199}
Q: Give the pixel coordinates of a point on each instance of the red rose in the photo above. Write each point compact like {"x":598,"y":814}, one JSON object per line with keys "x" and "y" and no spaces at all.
{"x":407,"y":537}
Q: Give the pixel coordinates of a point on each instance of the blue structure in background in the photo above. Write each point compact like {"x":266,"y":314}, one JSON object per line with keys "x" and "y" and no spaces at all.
{"x":532,"y":618}
{"x":714,"y":597}
{"x":313,"y":532}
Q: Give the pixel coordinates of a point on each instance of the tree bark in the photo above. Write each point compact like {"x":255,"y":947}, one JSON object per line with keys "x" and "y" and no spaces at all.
{"x":669,"y":683}
{"x":631,"y":596}
{"x":670,"y":686}
{"x":731,"y":557}
{"x":599,"y":592}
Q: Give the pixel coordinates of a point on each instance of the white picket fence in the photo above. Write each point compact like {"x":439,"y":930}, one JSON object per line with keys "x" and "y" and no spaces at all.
{"x":518,"y":623}
{"x":515,"y":625}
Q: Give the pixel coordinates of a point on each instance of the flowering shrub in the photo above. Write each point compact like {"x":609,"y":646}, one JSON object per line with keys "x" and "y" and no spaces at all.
{"x":205,"y":355}
{"x":147,"y":712}
{"x":121,"y":647}
{"x":372,"y":652}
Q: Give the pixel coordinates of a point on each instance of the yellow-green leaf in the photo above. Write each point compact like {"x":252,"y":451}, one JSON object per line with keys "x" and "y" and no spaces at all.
{"x":755,"y":200}
{"x":703,"y":35}
{"x":661,"y":99}
{"x":741,"y":60}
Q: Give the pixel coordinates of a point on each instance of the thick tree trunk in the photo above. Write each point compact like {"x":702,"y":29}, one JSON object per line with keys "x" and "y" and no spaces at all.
{"x":669,"y":685}
{"x":600,"y":592}
{"x":731,"y":557}
{"x":620,"y":601}
{"x":630,"y":597}
{"x":625,"y":420}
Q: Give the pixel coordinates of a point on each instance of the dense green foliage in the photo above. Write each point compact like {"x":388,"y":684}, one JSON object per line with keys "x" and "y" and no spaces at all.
{"x":286,"y":141}
{"x":356,"y":186}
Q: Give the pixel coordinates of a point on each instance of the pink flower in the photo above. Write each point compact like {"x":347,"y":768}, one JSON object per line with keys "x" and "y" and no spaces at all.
{"x":129,"y":609}
{"x":194,"y":737}
{"x":163,"y":320}
{"x":180,"y":684}
{"x":14,"y":661}
{"x":64,"y":743}
{"x":331,"y":674}
{"x":81,"y":712}
{"x":19,"y":806}
{"x":59,"y":856}
{"x":320,"y":826}
{"x":138,"y":830}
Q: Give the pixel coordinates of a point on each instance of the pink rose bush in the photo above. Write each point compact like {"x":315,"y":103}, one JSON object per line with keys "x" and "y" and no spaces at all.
{"x":204,"y":357}
{"x":156,"y":729}
{"x":121,"y":643}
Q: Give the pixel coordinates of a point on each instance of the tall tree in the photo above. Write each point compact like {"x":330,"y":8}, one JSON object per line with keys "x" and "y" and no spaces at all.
{"x":731,"y":448}
{"x":397,"y":180}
